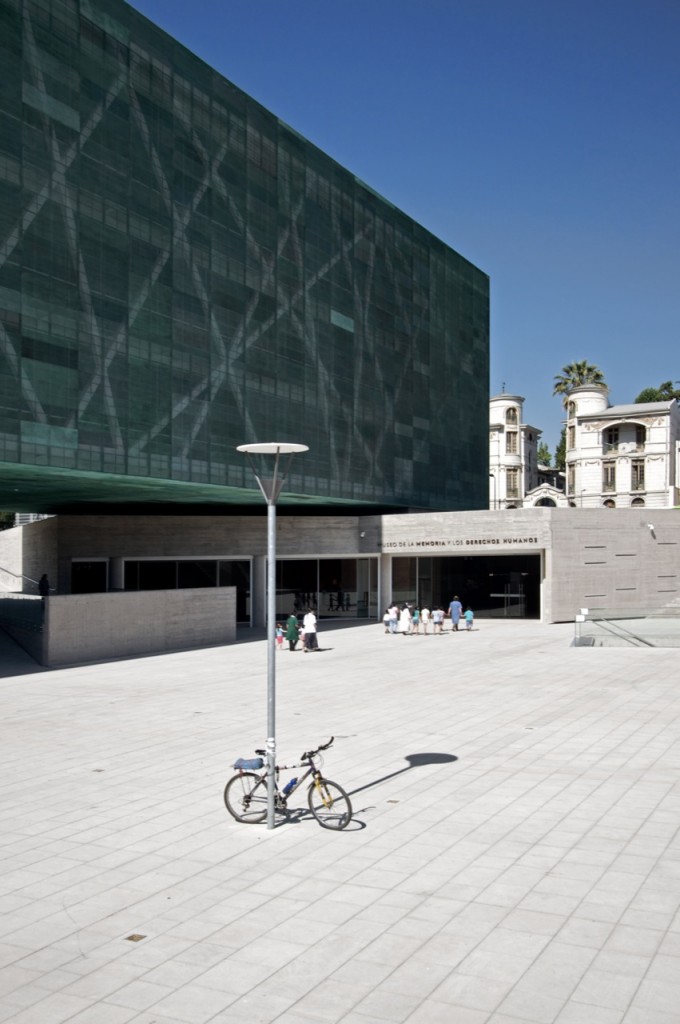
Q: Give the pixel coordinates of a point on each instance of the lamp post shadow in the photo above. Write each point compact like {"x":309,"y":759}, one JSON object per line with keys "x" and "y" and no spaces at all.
{"x":297,"y":815}
{"x":414,"y":761}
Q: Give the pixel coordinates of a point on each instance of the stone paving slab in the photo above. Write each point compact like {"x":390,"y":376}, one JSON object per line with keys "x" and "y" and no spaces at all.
{"x":514,"y":855}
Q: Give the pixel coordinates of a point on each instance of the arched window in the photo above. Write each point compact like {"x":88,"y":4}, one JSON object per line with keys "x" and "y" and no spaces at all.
{"x":511,"y":415}
{"x":609,"y":503}
{"x":571,"y":409}
{"x":546,"y":503}
{"x":638,"y":502}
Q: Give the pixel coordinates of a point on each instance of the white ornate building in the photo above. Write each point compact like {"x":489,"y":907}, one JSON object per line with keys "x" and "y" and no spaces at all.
{"x":621,"y":456}
{"x":516,"y":479}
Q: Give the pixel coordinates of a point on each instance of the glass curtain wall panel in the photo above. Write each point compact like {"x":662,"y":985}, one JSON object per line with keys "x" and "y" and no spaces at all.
{"x":181,"y":272}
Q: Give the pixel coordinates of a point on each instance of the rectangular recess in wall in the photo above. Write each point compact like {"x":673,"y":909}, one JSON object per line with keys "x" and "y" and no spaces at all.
{"x":618,"y":589}
{"x":667,"y":543}
{"x":594,"y":595}
{"x":667,"y":576}
{"x":671,"y":591}
{"x":626,"y":554}
{"x":603,"y":562}
{"x":594,"y":547}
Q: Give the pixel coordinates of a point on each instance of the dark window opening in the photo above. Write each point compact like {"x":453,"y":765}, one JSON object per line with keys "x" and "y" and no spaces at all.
{"x":89,"y":577}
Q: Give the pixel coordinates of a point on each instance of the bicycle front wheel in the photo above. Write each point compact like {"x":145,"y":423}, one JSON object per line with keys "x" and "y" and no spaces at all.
{"x":245,"y":796}
{"x":329,"y":804}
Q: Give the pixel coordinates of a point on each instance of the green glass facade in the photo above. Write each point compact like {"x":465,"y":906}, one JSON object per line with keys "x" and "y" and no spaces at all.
{"x":180,"y":272}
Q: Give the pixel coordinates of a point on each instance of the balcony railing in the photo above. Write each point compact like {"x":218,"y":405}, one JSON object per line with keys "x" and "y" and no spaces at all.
{"x":621,"y":447}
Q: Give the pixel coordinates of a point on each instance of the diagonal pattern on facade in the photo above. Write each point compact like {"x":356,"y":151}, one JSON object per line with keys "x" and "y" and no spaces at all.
{"x":181,"y":272}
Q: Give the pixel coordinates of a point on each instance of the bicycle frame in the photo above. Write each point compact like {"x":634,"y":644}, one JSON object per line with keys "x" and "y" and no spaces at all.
{"x":311,"y":770}
{"x":328,"y":802}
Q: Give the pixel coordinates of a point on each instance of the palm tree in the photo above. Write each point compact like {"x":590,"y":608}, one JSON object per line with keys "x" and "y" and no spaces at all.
{"x":664,"y":393}
{"x":574,"y":375}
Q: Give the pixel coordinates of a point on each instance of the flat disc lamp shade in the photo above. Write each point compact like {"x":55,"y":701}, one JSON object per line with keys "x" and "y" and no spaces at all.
{"x":272,"y":448}
{"x":269,"y":477}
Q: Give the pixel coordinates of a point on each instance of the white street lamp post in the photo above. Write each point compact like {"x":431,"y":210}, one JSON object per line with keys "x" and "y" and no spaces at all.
{"x":271,"y":485}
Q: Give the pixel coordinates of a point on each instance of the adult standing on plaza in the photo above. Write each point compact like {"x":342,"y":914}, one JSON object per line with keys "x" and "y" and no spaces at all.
{"x":292,"y":631}
{"x":425,"y":618}
{"x":309,"y":629}
{"x":394,"y":617}
{"x":455,"y":611}
{"x":405,"y":620}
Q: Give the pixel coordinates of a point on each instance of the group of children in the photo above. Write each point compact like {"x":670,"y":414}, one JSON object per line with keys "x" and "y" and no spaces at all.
{"x":409,"y":621}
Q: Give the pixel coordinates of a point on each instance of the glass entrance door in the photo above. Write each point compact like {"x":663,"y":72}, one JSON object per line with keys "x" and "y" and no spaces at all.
{"x":339,"y":588}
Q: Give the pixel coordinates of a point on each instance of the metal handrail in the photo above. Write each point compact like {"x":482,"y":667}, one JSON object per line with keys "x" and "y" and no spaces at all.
{"x":639,"y":628}
{"x":623,"y":633}
{"x":18,"y":575}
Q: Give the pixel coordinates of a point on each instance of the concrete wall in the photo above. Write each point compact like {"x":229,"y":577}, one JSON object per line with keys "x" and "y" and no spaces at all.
{"x":11,"y":560}
{"x":40,"y":555}
{"x":593,"y":558}
{"x":609,"y":559}
{"x":457,"y":533}
{"x":196,"y":537}
{"x":96,"y":627}
{"x":25,"y":554}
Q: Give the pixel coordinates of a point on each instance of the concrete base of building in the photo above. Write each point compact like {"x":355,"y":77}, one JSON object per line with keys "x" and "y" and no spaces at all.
{"x":562,"y":560}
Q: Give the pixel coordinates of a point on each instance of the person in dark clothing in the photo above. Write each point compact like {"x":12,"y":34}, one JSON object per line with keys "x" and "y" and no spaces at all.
{"x":292,"y":634}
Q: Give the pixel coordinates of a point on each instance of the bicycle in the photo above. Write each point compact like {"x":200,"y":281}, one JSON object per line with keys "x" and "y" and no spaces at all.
{"x":245,"y":795}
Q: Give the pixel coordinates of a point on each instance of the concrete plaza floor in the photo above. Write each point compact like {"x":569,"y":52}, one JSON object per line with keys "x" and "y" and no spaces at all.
{"x":514,"y":857}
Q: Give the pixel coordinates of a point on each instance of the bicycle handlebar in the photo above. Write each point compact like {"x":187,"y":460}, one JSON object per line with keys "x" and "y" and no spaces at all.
{"x":310,"y":753}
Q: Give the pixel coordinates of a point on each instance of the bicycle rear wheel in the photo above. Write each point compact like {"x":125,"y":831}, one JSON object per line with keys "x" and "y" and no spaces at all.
{"x":245,"y":796}
{"x":329,"y":804}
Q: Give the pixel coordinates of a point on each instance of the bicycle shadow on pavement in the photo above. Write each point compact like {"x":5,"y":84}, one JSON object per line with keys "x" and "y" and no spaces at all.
{"x":296,"y":815}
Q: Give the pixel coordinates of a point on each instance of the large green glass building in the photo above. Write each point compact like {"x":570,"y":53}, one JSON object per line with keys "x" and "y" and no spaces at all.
{"x":181,"y":272}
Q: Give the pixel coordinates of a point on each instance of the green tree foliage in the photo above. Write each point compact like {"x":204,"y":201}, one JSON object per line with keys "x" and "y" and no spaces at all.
{"x":561,"y":452}
{"x":543,"y":454}
{"x":574,"y":375}
{"x":6,"y":520}
{"x":664,"y":393}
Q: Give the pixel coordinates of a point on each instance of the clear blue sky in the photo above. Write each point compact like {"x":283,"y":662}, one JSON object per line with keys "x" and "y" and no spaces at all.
{"x":538,"y":138}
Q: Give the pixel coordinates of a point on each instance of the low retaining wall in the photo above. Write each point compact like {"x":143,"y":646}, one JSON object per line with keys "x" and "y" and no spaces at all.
{"x":96,"y":627}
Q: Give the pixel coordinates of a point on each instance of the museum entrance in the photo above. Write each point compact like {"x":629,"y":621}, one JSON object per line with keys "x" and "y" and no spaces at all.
{"x":494,"y":586}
